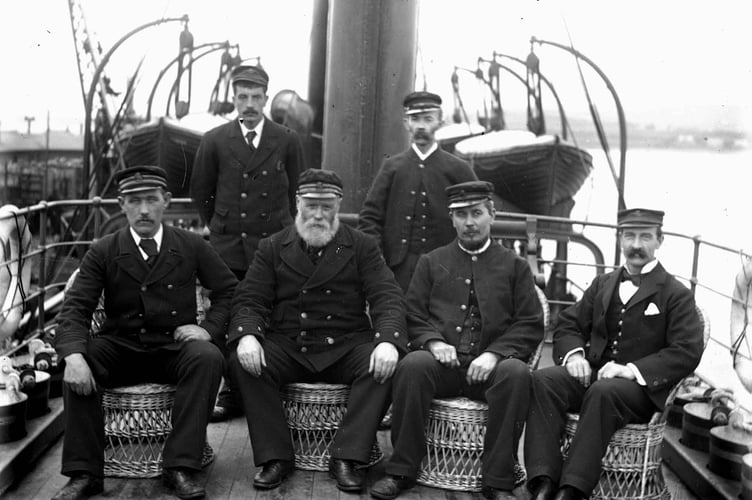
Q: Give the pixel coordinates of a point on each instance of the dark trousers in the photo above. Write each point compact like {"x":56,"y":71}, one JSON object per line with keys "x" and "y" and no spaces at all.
{"x":420,"y":378}
{"x":267,"y":424}
{"x":604,"y":407}
{"x":194,"y":367}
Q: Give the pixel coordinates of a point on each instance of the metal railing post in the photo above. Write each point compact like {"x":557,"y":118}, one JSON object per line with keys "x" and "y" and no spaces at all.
{"x":697,"y":241}
{"x":42,"y":265}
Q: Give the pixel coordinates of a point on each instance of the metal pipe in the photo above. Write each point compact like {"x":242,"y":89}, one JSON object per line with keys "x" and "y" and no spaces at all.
{"x":176,"y":84}
{"x":92,"y":89}
{"x":167,"y":67}
{"x":620,"y":114}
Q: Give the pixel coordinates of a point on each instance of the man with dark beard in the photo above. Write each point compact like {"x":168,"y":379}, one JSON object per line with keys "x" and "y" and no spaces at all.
{"x":317,"y":304}
{"x":405,"y":209}
{"x":474,"y":319}
{"x":619,"y":350}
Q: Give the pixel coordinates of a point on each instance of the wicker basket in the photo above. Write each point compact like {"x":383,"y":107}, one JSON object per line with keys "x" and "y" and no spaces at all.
{"x":314,"y":412}
{"x":137,"y":422}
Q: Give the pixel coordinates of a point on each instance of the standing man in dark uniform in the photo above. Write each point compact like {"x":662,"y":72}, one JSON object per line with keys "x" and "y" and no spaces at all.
{"x":147,"y":272}
{"x":405,"y":209}
{"x":318,"y":303}
{"x":474,"y":320}
{"x":243,"y":183}
{"x":619,"y":350}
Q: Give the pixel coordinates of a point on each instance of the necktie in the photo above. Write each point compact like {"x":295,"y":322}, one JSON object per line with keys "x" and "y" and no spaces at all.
{"x":149,"y":246}
{"x":636,"y":279}
{"x":250,"y":136}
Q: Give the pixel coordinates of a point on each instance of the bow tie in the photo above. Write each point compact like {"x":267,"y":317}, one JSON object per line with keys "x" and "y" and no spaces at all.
{"x":636,"y":279}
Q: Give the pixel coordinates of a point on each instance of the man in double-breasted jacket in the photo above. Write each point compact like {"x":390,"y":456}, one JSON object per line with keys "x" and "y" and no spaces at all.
{"x":245,"y":174}
{"x":318,"y":303}
{"x":147,"y":273}
{"x":474,"y":320}
{"x":405,"y":209}
{"x":243,"y":183}
{"x":619,"y":350}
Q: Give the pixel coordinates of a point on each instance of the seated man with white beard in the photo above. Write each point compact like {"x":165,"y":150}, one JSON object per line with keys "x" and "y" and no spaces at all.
{"x":300,"y":316}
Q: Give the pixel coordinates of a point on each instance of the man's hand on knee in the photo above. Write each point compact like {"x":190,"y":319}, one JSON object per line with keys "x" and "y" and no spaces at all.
{"x":481,"y":367}
{"x":185,"y":333}
{"x":251,"y":355}
{"x":78,"y":375}
{"x":579,"y":367}
{"x":444,"y":353}
{"x":383,"y":362}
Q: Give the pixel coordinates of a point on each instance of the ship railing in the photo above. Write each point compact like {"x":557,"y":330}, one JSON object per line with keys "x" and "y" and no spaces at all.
{"x":562,"y":252}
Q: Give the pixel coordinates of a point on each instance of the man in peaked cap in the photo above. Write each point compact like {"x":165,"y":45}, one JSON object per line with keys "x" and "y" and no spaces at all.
{"x":300,"y":315}
{"x":474,"y":320}
{"x":618,"y":351}
{"x":405,"y":209}
{"x":147,"y":274}
{"x":243,"y":184}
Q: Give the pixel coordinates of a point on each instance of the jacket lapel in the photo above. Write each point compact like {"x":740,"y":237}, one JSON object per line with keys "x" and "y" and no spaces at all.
{"x":651,"y":283}
{"x":336,"y":255}
{"x":129,"y":257}
{"x":169,"y":256}
{"x":268,"y":143}
{"x":609,"y":289}
{"x":293,"y":255}
{"x":237,"y":144}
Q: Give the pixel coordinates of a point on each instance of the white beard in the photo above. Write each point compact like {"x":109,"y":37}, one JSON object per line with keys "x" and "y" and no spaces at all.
{"x":313,"y":234}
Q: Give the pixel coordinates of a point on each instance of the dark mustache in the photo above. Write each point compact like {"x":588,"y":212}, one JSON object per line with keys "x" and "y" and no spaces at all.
{"x":636,"y":252}
{"x":421,"y":135}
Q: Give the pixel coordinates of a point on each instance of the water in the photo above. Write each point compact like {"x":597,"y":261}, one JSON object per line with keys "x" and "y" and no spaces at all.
{"x":703,"y":192}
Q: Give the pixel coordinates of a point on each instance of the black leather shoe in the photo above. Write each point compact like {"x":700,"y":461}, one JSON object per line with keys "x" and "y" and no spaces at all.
{"x":569,"y":493}
{"x":272,"y":474}
{"x":494,"y":494}
{"x":390,"y":487}
{"x":348,"y":477}
{"x":185,"y":482}
{"x":542,"y":488}
{"x":80,"y":486}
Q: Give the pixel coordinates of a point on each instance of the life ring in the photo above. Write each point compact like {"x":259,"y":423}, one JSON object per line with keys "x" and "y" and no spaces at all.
{"x":15,"y":268}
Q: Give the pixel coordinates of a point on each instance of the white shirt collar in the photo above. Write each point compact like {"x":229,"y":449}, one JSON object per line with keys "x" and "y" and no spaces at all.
{"x":475,"y":252}
{"x":157,"y":238}
{"x":258,"y":128}
{"x":646,"y":268}
{"x":425,"y":155}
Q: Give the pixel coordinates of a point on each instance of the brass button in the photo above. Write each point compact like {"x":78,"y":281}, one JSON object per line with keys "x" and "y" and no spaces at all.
{"x":263,"y":215}
{"x":463,"y":307}
{"x":458,"y":329}
{"x":303,"y":333}
{"x":404,"y":241}
{"x":329,"y":340}
{"x":407,"y":217}
{"x":412,"y":192}
{"x":304,"y":291}
{"x":304,"y":315}
{"x":240,"y":328}
{"x":264,"y":194}
{"x":174,"y":313}
{"x":245,"y":176}
{"x":304,"y":349}
{"x":423,"y":204}
{"x":143,"y":330}
{"x":421,"y":165}
{"x":422,"y":240}
{"x":328,"y":317}
{"x":263,"y":172}
{"x":422,"y":193}
{"x":143,"y":288}
{"x":467,"y":281}
{"x":264,"y":234}
{"x":474,"y":258}
{"x":396,"y":335}
{"x":376,"y":335}
{"x":170,"y":287}
{"x":244,"y":195}
{"x":328,"y":292}
{"x":243,"y":235}
{"x":243,"y":215}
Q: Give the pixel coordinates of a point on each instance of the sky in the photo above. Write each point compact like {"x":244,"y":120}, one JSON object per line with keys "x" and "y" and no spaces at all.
{"x":672,"y":62}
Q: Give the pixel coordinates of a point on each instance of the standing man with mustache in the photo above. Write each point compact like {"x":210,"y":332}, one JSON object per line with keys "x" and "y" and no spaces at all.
{"x":474,"y":319}
{"x":619,"y":350}
{"x":318,"y":303}
{"x":243,"y":184}
{"x":405,"y":209}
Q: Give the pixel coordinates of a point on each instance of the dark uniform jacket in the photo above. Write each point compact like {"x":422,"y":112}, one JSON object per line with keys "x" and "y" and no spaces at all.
{"x":665,"y":347}
{"x":144,"y":305}
{"x":245,"y":196}
{"x":318,"y":313}
{"x":511,"y":314}
{"x":394,"y":205}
